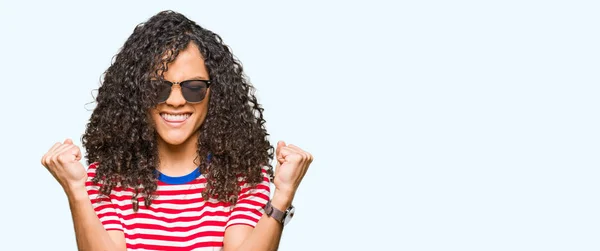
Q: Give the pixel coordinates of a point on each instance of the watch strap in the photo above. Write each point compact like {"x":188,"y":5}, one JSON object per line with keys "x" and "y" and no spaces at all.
{"x":274,"y":213}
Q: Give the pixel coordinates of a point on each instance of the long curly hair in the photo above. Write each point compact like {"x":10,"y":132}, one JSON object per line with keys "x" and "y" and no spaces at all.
{"x":120,"y":134}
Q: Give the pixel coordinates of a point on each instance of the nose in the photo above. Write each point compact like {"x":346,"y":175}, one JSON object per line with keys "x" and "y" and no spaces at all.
{"x":176,"y":97}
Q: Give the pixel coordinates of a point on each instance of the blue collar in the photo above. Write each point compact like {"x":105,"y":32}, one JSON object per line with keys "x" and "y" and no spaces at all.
{"x":182,"y":179}
{"x":179,"y":180}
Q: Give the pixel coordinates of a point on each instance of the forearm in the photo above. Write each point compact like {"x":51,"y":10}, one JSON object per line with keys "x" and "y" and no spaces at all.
{"x":89,"y":231}
{"x":267,"y":232}
{"x":292,"y":164}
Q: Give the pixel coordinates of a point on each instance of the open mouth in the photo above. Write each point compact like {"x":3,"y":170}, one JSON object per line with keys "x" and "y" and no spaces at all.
{"x":175,"y":118}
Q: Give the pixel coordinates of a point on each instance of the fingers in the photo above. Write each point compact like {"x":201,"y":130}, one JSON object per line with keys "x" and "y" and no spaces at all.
{"x":77,"y":153}
{"x":305,"y":154}
{"x":47,"y":157}
{"x":62,"y":149}
{"x":280,"y":145}
{"x":70,"y":150}
{"x":290,"y":154}
{"x":58,"y":156}
{"x":56,"y":145}
{"x":61,"y":153}
{"x":69,"y":153}
{"x":295,"y":153}
{"x":303,"y":157}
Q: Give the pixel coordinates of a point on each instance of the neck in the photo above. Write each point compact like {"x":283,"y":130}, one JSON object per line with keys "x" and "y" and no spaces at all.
{"x":178,"y":160}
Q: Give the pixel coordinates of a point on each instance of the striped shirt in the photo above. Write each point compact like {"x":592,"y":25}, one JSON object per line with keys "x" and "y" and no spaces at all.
{"x":178,"y":219}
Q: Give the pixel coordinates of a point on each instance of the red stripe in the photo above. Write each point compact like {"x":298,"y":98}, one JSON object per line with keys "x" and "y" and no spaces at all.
{"x":111,"y":222}
{"x":174,"y":238}
{"x":239,"y":210}
{"x":186,"y":248}
{"x":242,"y":216}
{"x":240,"y":223}
{"x":258,"y":187}
{"x":253,"y":197}
{"x":143,"y":215}
{"x":158,"y":200}
{"x":108,"y":214}
{"x":180,"y":192}
{"x":155,"y":209}
{"x":252,"y":202}
{"x":176,"y":229}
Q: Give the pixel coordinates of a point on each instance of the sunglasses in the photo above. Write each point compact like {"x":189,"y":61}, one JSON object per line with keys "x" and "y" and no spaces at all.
{"x":193,"y":91}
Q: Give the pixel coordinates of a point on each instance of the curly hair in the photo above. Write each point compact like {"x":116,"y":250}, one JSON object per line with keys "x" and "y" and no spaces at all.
{"x":120,"y":134}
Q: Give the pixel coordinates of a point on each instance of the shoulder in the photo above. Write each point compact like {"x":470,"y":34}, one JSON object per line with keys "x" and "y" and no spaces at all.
{"x":92,"y":167}
{"x":92,"y":172}
{"x":262,"y":186}
{"x":265,"y":176}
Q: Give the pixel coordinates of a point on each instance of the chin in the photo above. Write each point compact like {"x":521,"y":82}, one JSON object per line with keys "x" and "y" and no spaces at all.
{"x":175,"y":139}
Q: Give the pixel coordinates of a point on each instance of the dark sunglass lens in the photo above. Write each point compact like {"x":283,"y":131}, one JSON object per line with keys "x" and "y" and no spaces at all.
{"x":164,"y":91}
{"x":193,"y":91}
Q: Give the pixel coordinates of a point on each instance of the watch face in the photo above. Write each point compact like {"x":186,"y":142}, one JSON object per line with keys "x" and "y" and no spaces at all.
{"x":289,"y":215}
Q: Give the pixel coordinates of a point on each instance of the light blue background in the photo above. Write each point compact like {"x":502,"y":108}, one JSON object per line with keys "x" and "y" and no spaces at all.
{"x":435,"y":125}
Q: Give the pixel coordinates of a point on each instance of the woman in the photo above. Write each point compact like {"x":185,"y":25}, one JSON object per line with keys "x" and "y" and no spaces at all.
{"x":177,"y":151}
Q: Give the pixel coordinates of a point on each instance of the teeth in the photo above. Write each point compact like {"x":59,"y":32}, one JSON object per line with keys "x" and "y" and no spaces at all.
{"x":175,"y":118}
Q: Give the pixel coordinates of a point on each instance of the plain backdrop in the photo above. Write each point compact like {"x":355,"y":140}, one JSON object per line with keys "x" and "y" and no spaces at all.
{"x":435,"y":125}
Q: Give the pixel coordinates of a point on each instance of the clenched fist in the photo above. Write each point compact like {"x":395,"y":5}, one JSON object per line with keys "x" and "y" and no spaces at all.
{"x":292,"y":164}
{"x":62,"y":161}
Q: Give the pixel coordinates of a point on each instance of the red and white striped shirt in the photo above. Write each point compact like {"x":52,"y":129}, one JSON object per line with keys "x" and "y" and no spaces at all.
{"x":178,"y":219}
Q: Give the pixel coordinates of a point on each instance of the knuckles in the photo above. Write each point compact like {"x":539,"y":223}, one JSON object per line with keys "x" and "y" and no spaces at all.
{"x":51,"y":157}
{"x":296,"y":154}
{"x":301,"y":157}
{"x":296,"y":157}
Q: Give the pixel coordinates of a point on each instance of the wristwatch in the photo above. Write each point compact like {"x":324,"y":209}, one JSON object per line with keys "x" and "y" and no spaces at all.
{"x":278,"y":215}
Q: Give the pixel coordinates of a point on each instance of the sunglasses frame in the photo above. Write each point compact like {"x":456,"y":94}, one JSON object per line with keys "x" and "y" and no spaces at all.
{"x":207,"y":82}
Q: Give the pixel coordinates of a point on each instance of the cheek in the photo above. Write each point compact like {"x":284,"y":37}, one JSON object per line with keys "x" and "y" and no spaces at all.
{"x":201,"y":110}
{"x":154,"y":117}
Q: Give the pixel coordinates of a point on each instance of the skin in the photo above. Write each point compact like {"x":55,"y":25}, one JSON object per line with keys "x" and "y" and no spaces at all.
{"x":177,"y":147}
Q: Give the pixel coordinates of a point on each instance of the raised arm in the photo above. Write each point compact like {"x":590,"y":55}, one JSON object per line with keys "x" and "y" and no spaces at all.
{"x":292,"y":164}
{"x":62,"y":161}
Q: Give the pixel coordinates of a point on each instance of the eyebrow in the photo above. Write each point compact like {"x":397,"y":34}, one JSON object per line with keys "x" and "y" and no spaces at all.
{"x":192,"y":78}
{"x":196,"y":78}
